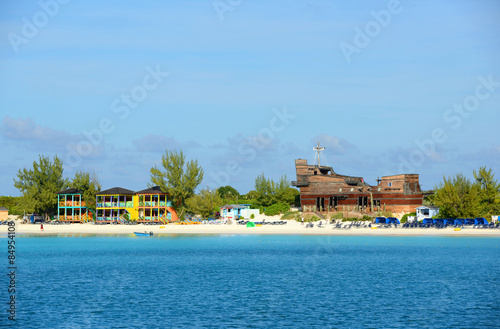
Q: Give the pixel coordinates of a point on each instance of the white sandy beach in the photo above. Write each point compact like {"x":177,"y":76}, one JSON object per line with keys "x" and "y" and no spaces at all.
{"x":291,"y":228}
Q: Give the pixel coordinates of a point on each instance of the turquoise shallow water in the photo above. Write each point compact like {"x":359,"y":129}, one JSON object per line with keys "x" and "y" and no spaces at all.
{"x":256,"y":281}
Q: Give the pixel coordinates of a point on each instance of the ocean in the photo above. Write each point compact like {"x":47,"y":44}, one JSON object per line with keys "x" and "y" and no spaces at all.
{"x":235,"y":281}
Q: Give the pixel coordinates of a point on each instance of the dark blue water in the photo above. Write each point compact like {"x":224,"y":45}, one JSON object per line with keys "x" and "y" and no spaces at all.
{"x":256,"y":281}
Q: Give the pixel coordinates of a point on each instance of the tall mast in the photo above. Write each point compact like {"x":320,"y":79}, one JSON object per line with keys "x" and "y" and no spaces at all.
{"x":318,"y":149}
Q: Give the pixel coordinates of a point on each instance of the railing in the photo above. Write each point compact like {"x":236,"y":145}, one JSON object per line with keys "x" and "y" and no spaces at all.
{"x":154,"y":204}
{"x":107,"y":219}
{"x":72,"y":204}
{"x":115,"y":204}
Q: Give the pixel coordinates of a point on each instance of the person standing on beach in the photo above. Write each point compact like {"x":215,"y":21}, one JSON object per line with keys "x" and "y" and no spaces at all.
{"x":41,"y":226}
{"x":302,"y":220}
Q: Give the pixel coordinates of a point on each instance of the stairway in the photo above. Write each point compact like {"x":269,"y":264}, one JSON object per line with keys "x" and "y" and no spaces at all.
{"x":320,"y":215}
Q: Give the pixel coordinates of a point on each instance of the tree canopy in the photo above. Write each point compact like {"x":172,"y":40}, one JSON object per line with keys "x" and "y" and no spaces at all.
{"x":459,"y":197}
{"x":12,"y":203}
{"x":204,"y":203}
{"x":270,"y":192}
{"x":39,"y":186}
{"x":178,"y":178}
{"x":227,"y":192}
{"x":88,"y":183}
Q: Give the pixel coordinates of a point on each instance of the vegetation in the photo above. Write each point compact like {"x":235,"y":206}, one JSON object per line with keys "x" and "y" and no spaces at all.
{"x":489,"y":192}
{"x":353,"y":219}
{"x":270,"y":192}
{"x":12,"y":203}
{"x":227,"y":192}
{"x":251,"y":195}
{"x":204,"y":203}
{"x":178,"y":178}
{"x":459,"y":197}
{"x":272,"y":197}
{"x":89,"y":185}
{"x":292,"y":215}
{"x":404,"y":219}
{"x":277,"y":209}
{"x":384,"y":214}
{"x":39,"y":186}
{"x":337,"y":215}
{"x":312,"y":218}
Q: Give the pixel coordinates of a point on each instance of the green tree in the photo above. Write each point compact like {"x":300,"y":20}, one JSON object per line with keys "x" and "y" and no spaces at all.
{"x":290,"y":196}
{"x":178,"y":178}
{"x":12,"y":203}
{"x":264,"y":189}
{"x":227,"y":191}
{"x":457,"y":197}
{"x":204,"y":203}
{"x":270,"y":192}
{"x":251,"y":195}
{"x":89,"y":185}
{"x":489,"y":192}
{"x":39,"y":186}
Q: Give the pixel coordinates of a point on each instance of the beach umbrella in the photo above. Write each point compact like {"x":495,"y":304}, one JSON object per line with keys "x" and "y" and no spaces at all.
{"x":250,"y":224}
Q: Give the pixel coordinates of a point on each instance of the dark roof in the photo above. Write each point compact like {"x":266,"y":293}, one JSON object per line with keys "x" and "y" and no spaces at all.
{"x":3,"y":209}
{"x":116,"y":190}
{"x":151,"y":190}
{"x":69,"y":191}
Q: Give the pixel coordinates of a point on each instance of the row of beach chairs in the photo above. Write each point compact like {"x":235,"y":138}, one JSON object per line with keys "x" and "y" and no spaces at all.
{"x":276,"y":222}
{"x":192,"y":221}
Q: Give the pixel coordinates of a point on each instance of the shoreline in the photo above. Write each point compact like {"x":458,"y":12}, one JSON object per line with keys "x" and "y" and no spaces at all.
{"x":291,"y":228}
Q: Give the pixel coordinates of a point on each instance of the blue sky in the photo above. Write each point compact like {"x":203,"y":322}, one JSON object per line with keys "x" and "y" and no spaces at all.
{"x":246,"y":87}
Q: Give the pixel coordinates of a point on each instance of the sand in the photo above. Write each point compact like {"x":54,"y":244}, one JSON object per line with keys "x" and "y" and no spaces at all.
{"x":291,"y":228}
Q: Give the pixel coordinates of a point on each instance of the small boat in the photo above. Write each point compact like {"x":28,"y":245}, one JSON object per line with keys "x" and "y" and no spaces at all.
{"x":143,"y":233}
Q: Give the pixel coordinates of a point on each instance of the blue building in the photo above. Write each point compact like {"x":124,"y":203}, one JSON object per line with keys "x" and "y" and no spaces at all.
{"x":237,"y":211}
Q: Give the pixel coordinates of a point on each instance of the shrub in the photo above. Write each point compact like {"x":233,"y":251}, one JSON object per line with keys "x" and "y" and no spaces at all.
{"x":367,"y":218}
{"x":404,"y":219}
{"x":384,"y":214}
{"x":252,"y":216}
{"x":312,"y":219}
{"x":276,"y":209}
{"x":350,"y":219}
{"x":291,"y":215}
{"x":337,"y":215}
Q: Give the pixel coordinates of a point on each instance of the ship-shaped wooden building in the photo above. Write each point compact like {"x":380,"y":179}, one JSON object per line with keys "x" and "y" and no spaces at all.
{"x":323,"y":190}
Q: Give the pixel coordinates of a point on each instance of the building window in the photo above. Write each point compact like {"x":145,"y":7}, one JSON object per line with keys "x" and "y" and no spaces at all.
{"x":352,"y":189}
{"x":389,"y":184}
{"x":340,"y":189}
{"x":379,"y":189}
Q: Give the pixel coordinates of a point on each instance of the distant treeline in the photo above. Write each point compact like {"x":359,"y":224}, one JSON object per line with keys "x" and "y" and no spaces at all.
{"x":12,"y":203}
